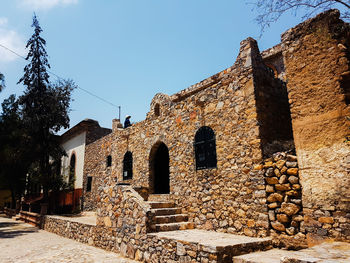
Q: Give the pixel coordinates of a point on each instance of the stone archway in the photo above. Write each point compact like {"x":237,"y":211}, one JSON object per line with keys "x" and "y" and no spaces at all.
{"x":159,"y":169}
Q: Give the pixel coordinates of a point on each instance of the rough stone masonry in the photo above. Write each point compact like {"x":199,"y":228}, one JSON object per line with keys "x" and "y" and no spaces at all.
{"x":282,"y":162}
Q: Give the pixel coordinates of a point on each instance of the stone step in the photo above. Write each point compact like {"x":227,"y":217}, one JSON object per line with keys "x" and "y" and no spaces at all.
{"x":172,"y":226}
{"x":221,"y":247}
{"x":166,"y":211}
{"x":159,"y":197}
{"x":155,"y":204}
{"x":170,"y":218}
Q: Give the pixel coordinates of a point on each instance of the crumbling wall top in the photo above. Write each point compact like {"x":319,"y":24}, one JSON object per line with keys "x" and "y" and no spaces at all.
{"x":330,"y":17}
{"x":243,"y":62}
{"x":272,"y":52}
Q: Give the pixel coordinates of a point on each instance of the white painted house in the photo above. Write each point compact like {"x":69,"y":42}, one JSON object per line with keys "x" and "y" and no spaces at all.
{"x":73,"y":143}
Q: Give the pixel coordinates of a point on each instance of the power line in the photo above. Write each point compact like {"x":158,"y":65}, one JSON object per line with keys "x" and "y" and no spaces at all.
{"x":88,"y":92}
{"x":12,"y":51}
{"x":57,"y":76}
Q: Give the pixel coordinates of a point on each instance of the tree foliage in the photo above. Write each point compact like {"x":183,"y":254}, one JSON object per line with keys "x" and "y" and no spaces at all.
{"x":45,"y":108}
{"x":15,"y":152}
{"x":271,"y":10}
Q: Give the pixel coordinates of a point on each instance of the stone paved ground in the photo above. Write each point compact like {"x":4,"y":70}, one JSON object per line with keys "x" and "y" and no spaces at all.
{"x":23,"y":243}
{"x":328,"y":252}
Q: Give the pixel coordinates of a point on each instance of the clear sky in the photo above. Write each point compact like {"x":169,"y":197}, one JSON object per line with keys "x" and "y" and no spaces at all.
{"x":126,"y":51}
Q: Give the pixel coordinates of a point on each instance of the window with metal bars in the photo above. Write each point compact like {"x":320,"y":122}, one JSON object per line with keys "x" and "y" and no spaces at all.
{"x":205,"y":148}
{"x":127,"y":166}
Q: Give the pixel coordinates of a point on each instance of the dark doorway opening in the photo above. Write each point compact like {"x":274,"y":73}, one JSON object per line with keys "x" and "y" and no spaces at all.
{"x":127,"y":166}
{"x":160,"y":169}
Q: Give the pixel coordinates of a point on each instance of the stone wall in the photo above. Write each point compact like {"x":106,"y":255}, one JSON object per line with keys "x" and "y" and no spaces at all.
{"x":96,"y":132}
{"x":124,"y":230}
{"x":284,"y":200}
{"x":273,"y":113}
{"x":253,"y":114}
{"x":96,"y":166}
{"x":231,"y":197}
{"x":274,"y":60}
{"x":316,"y":56}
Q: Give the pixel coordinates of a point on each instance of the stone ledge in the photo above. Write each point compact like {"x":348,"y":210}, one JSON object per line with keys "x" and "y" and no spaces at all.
{"x":221,"y":244}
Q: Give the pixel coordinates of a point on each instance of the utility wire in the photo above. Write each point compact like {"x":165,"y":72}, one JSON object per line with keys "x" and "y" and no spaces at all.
{"x":12,"y":51}
{"x":88,"y":92}
{"x":52,"y":73}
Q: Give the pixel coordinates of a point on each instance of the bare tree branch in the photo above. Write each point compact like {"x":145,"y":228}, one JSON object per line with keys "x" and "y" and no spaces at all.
{"x":270,"y":11}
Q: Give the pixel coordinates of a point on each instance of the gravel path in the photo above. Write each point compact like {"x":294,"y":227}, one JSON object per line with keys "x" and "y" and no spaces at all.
{"x":20,"y":242}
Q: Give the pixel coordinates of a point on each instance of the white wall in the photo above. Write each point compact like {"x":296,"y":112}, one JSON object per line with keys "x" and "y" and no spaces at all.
{"x":75,"y":145}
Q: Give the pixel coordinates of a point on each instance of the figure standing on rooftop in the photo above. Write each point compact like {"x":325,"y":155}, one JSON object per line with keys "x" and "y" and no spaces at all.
{"x":127,"y":121}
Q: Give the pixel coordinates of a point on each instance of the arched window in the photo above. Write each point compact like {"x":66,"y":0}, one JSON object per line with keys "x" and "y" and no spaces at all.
{"x":72,"y":167}
{"x":273,"y":69}
{"x":157,"y":110}
{"x":109,"y":161}
{"x":205,"y":148}
{"x":127,"y":166}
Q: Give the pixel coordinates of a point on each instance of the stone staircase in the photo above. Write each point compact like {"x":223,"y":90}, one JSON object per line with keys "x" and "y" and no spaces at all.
{"x":166,"y":217}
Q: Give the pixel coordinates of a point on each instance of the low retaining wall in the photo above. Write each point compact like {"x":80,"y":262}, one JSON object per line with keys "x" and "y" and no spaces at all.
{"x":124,"y":230}
{"x":148,"y":248}
{"x":121,"y":223}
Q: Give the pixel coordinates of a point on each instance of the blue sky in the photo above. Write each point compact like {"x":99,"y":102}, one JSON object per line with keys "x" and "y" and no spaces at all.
{"x":126,"y":51}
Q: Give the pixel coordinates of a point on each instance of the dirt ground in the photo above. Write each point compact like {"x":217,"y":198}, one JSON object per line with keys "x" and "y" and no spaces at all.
{"x":20,"y":242}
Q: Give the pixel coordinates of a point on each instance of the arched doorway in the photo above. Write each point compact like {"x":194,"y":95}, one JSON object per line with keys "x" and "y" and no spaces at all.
{"x":159,"y":169}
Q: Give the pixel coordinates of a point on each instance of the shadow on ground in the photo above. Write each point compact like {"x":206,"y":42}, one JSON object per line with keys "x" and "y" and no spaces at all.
{"x":11,"y":229}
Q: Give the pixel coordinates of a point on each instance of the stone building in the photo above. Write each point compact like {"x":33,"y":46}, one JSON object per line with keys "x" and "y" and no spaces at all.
{"x":258,"y":149}
{"x":74,"y":142}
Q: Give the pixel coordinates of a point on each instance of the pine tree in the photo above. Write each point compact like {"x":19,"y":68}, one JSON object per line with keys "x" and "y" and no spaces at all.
{"x":45,"y":107}
{"x":2,"y":81}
